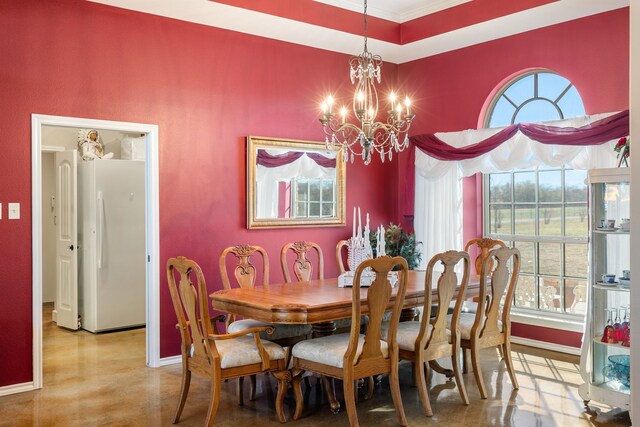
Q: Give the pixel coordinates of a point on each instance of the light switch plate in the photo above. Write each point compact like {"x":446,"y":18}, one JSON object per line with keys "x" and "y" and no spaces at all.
{"x":14,"y":211}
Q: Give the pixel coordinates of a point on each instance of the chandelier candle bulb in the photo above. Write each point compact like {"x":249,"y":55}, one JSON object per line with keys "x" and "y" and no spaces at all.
{"x":353,"y":235}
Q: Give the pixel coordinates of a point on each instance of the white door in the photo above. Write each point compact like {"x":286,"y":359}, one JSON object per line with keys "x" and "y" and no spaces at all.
{"x":66,"y":240}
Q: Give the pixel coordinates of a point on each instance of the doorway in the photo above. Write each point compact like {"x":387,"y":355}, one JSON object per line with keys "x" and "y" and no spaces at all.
{"x":42,"y":126}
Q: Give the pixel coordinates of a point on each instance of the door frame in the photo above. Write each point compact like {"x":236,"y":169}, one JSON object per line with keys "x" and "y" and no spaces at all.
{"x":151,"y":219}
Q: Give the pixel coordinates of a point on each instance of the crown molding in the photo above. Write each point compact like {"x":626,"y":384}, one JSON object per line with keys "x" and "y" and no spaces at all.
{"x":232,"y":18}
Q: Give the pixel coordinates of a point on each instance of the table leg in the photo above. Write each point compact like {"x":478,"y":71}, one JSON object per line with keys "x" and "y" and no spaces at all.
{"x":323,"y":329}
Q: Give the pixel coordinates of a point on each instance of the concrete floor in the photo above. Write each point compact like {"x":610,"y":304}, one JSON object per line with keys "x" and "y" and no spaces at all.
{"x":101,"y":380}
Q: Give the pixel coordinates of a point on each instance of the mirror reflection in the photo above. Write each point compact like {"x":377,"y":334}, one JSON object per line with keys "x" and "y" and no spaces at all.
{"x":293,"y":183}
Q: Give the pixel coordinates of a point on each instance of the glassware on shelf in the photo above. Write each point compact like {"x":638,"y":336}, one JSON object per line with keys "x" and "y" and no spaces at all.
{"x":607,"y":334}
{"x":626,"y":329}
{"x":618,"y":369}
{"x":618,"y":334}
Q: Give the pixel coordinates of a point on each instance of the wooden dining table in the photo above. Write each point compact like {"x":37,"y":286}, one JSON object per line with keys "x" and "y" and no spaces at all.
{"x":320,"y":303}
{"x":317,"y":302}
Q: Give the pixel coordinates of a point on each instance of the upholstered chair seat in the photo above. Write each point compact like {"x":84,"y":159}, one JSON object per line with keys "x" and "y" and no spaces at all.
{"x":465,"y":323}
{"x":330,"y":350}
{"x":243,"y":351}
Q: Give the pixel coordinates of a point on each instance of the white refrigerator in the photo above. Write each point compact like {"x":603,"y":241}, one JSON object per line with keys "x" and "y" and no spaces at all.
{"x":111,"y":239}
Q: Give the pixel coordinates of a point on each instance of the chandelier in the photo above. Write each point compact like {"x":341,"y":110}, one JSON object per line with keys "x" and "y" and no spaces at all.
{"x":367,"y":136}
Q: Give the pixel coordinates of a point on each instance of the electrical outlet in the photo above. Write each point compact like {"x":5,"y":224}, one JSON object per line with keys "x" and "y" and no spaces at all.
{"x":14,"y":211}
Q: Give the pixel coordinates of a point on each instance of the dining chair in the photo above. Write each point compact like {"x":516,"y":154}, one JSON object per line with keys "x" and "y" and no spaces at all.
{"x":431,"y":339}
{"x":490,"y":326}
{"x":217,"y":356}
{"x":340,"y":248}
{"x":351,"y":356}
{"x":246,"y":275}
{"x":483,"y":245}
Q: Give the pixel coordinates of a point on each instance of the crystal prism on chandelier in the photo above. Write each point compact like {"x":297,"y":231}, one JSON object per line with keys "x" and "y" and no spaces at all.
{"x":367,"y":137}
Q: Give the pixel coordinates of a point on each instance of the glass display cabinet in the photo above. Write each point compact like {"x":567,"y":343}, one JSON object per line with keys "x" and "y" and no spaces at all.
{"x":605,"y":358}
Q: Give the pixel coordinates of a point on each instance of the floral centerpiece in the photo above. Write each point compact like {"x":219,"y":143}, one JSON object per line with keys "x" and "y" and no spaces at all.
{"x":623,"y":149}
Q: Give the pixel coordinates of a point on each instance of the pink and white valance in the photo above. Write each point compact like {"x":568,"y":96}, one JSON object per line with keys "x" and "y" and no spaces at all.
{"x":583,"y":143}
{"x":268,"y":160}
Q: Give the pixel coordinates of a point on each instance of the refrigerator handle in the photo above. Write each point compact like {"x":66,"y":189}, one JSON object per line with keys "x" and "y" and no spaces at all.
{"x":100,"y":226}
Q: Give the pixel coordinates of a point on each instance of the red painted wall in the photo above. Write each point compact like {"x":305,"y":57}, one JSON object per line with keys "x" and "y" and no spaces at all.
{"x":206,"y":88}
{"x":451,"y":89}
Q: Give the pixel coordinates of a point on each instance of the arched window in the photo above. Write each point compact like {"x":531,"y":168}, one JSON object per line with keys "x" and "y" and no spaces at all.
{"x":532,"y":97}
{"x":543,"y":211}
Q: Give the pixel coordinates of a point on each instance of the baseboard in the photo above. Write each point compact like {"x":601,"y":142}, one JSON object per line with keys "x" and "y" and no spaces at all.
{"x":546,"y":345}
{"x":170,"y":360}
{"x":16,"y":388}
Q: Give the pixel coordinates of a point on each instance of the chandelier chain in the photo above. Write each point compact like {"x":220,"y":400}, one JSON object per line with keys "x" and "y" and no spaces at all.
{"x":365,"y":27}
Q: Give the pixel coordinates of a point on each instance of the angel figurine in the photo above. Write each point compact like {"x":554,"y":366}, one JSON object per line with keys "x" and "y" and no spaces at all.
{"x":90,"y":145}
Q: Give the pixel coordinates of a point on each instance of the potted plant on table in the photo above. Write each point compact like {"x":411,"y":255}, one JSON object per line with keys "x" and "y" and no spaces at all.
{"x":400,"y":243}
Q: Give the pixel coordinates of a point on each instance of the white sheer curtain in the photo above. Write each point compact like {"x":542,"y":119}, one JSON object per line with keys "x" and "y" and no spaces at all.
{"x":438,"y":194}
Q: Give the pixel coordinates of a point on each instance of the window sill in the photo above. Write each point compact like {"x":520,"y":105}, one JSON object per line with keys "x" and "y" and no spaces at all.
{"x":548,"y":322}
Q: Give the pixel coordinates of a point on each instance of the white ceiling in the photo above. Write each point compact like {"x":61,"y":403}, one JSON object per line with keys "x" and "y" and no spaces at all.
{"x":232,"y":18}
{"x":395,"y":10}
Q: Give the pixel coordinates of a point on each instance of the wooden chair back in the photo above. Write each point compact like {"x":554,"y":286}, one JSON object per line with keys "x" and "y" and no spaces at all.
{"x":484,"y":245}
{"x":188,"y":295}
{"x":302,"y":266}
{"x":498,"y":277}
{"x":378,"y":299}
{"x":438,"y":342}
{"x":340,"y":247}
{"x":245,"y":272}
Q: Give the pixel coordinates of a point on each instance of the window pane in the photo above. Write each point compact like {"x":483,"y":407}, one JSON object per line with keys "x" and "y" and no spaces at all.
{"x":327,"y":191}
{"x":327,"y":209}
{"x":524,"y":184}
{"x":527,"y":256}
{"x":521,"y":90}
{"x":571,"y":104}
{"x":551,"y":85}
{"x":502,"y":114}
{"x":301,"y":210}
{"x":537,"y":111}
{"x":500,"y":219}
{"x":314,"y":190}
{"x":575,"y":296}
{"x":302,"y":190}
{"x":525,"y":220}
{"x":575,"y":189}
{"x":575,"y":217}
{"x":314,"y":209}
{"x":550,"y":219}
{"x":549,"y":293}
{"x":500,"y":188}
{"x":525,"y":292}
{"x":549,"y":258}
{"x":550,"y":186}
{"x":575,"y":260}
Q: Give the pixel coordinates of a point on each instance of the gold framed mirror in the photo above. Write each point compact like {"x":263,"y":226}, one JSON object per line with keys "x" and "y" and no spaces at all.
{"x":293,"y":183}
